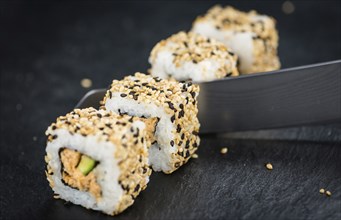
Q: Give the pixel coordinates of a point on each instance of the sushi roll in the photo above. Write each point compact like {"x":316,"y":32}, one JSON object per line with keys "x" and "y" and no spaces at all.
{"x":190,"y":56}
{"x":253,"y":37}
{"x":98,"y":159}
{"x":174,"y":103}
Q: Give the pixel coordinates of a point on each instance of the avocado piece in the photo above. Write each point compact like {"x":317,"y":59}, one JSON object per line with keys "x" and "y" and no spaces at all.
{"x":86,"y":165}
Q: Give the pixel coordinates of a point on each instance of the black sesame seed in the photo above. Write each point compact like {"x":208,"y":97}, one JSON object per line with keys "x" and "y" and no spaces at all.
{"x":182,"y":136}
{"x":181,"y":114}
{"x":194,"y":61}
{"x":173,"y":118}
{"x":177,"y":164}
{"x":185,"y":43}
{"x":172,"y":143}
{"x":189,"y":83}
{"x":187,"y":154}
{"x":187,"y":144}
{"x":132,"y":92}
{"x":137,"y":188}
{"x":180,"y":143}
{"x":181,"y":106}
{"x":228,"y":74}
{"x":157,"y":79}
{"x":135,"y":97}
{"x":171,"y":106}
{"x":195,"y":145}
{"x":144,"y":84}
{"x":178,"y":128}
{"x":54,"y":136}
{"x":110,"y":94}
{"x":142,"y":140}
{"x":54,"y":127}
{"x":136,"y":142}
{"x":137,"y":132}
{"x":231,"y":53}
{"x":195,"y":132}
{"x":123,"y":95}
{"x":193,"y":94}
{"x":144,"y":170}
{"x":181,"y":153}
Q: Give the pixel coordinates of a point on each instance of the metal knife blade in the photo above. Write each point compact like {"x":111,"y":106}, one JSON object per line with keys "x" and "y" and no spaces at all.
{"x":288,"y":97}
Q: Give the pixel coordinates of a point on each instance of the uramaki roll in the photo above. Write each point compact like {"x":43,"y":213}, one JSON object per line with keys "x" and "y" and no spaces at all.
{"x":174,"y":103}
{"x":253,"y":37}
{"x":98,"y":159}
{"x":190,"y":56}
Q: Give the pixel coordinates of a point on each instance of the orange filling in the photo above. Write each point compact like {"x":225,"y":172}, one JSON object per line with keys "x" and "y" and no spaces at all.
{"x":74,"y":177}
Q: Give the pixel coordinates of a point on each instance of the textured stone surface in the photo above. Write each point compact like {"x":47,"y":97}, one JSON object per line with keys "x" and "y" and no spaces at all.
{"x":47,"y":49}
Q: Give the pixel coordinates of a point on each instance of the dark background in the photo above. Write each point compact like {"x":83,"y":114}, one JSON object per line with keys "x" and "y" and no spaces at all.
{"x":47,"y":48}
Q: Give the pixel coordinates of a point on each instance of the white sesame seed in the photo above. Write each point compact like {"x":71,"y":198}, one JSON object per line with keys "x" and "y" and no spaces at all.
{"x":86,"y":83}
{"x":288,"y":7}
{"x":328,"y":193}
{"x":269,"y":166}
{"x":322,"y":191}
{"x":224,"y":150}
{"x":195,"y":156}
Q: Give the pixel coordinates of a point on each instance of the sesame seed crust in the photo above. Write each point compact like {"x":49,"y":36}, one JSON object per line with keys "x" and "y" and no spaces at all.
{"x":131,"y":151}
{"x":179,"y":101}
{"x":265,"y":36}
{"x":192,"y":47}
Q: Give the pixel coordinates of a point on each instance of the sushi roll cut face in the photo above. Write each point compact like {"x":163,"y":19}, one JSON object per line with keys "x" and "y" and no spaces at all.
{"x":174,"y":103}
{"x":98,"y":159}
{"x":190,"y":56}
{"x":253,"y":37}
